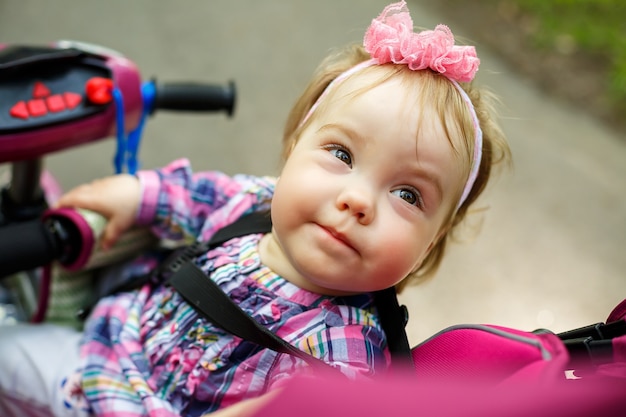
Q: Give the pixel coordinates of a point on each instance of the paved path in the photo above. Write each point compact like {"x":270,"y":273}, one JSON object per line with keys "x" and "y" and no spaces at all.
{"x":551,"y":248}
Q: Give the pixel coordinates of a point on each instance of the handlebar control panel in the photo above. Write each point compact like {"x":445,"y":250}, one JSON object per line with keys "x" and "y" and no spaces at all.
{"x":60,"y":95}
{"x":46,"y":86}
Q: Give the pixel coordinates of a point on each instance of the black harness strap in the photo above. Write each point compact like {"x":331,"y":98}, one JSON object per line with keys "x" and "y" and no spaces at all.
{"x":393,"y":319}
{"x":259,"y":222}
{"x":211,"y":302}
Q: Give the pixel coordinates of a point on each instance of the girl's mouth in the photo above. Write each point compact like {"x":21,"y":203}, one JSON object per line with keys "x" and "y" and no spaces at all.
{"x":339,"y":237}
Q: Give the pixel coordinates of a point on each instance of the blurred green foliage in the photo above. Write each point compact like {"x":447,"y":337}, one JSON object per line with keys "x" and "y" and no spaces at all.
{"x":597,"y":27}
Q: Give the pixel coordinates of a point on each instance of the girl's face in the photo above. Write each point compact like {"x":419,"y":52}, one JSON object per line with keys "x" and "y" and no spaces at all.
{"x":362,"y":198}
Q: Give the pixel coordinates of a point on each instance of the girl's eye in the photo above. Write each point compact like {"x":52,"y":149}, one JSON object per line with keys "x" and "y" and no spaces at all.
{"x":411,"y":196}
{"x":341,"y":154}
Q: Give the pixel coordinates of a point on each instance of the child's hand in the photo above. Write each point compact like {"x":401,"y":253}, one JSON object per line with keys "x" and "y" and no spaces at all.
{"x":117,"y":198}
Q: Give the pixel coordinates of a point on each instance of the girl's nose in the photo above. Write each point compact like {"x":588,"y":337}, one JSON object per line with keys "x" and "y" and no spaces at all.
{"x":359,"y":202}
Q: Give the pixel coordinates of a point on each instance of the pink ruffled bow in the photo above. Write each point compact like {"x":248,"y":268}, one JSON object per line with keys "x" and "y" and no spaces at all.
{"x":390,"y":38}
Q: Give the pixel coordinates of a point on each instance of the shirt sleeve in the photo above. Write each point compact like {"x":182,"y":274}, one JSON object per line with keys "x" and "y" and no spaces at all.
{"x":180,"y":204}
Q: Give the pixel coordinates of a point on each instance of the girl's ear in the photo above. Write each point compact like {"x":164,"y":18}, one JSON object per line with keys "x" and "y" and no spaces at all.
{"x":293,"y":145}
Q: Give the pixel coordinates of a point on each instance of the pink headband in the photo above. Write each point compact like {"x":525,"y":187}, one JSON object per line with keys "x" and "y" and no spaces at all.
{"x":390,"y":39}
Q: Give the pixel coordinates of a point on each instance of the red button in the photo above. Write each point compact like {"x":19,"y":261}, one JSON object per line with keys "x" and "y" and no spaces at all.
{"x":72,"y":100}
{"x":55,"y":103}
{"x":37,"y":107}
{"x":40,"y":90}
{"x":99,"y":90}
{"x":19,"y":110}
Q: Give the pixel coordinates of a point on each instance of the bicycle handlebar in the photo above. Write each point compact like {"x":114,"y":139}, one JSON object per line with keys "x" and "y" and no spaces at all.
{"x":68,"y":236}
{"x":195,"y":97}
{"x":65,"y":94}
{"x":28,"y":245}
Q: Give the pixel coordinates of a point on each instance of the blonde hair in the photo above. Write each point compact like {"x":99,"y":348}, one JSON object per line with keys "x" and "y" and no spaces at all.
{"x":437,"y":93}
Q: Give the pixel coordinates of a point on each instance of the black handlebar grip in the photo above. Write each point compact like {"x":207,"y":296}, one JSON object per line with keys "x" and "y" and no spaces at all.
{"x":27,"y":245}
{"x":195,"y":97}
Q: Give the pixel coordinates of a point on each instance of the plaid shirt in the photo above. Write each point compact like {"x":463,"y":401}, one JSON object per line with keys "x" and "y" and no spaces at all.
{"x":147,"y":352}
